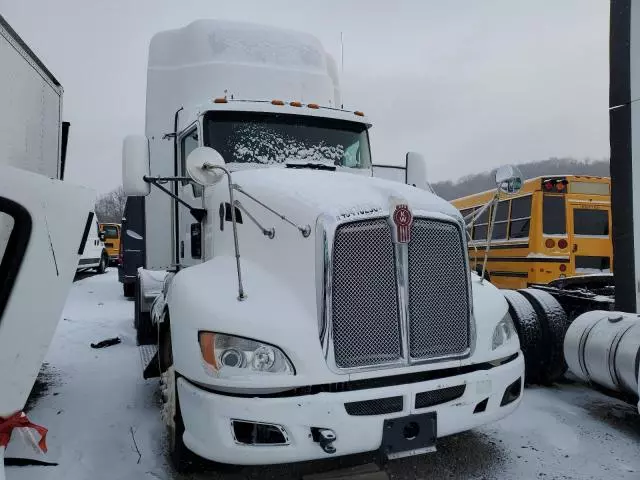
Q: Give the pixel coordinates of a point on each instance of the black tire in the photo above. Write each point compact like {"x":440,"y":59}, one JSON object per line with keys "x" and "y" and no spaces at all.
{"x":146,"y":334}
{"x":129,"y":290}
{"x":104,"y":263}
{"x":182,"y":458}
{"x":529,"y":331}
{"x":554,"y":325}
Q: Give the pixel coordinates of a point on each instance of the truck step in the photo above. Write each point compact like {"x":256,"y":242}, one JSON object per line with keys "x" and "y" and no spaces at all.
{"x":149,"y":360}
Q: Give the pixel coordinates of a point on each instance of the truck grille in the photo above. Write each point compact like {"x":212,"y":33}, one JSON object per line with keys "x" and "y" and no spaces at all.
{"x":366,"y":330}
{"x":365,"y":324}
{"x":439,"y":291}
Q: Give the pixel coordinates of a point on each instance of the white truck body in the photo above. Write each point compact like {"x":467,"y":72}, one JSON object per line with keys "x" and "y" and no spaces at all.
{"x":41,"y":222}
{"x":363,"y":325}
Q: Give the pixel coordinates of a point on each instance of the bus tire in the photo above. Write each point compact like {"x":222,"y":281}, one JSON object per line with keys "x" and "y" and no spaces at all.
{"x":529,"y":331}
{"x":554,"y":325}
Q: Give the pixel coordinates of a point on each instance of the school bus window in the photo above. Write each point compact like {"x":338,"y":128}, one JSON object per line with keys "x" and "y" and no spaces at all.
{"x":590,"y":222}
{"x":520,"y":217}
{"x":480,"y":232}
{"x":481,"y":225}
{"x":110,"y":231}
{"x":502,"y":220}
{"x":554,"y":220}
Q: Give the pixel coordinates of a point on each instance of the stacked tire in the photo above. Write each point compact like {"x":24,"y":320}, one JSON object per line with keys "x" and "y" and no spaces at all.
{"x":542,"y":324}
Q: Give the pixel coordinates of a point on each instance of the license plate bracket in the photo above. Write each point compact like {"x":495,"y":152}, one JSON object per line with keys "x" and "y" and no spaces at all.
{"x":410,"y":435}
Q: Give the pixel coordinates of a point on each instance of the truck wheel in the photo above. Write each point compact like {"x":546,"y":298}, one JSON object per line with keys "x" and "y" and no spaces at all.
{"x":104,"y":262}
{"x":529,"y":332}
{"x":145,"y":331}
{"x":554,"y":326}
{"x":128,"y":290}
{"x":181,"y":457}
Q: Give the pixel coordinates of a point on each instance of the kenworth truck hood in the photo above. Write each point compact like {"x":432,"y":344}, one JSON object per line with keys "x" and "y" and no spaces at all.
{"x":306,"y":194}
{"x":283,"y":276}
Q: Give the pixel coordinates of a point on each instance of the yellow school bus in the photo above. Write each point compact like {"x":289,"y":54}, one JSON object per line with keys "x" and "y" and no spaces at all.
{"x":556,"y":226}
{"x":111,"y":240}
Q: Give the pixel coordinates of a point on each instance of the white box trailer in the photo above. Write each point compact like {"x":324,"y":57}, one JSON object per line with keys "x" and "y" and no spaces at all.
{"x":309,"y":310}
{"x":42,"y":221}
{"x":31,"y":133}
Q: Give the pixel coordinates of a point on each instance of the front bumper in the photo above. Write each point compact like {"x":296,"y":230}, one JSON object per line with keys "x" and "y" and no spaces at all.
{"x":207,"y":416}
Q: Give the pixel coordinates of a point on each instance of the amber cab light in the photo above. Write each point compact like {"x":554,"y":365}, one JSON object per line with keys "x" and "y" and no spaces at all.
{"x":563,"y":267}
{"x":277,"y":102}
{"x":358,"y":113}
{"x":220,"y":100}
{"x":550,"y":243}
{"x":315,"y":106}
{"x":562,"y":244}
{"x":295,"y":104}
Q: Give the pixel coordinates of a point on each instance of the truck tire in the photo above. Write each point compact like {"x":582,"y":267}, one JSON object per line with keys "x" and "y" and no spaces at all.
{"x":554,"y":326}
{"x":128,"y":290}
{"x":529,"y":331}
{"x":104,"y":263}
{"x":145,"y":332}
{"x":181,"y":457}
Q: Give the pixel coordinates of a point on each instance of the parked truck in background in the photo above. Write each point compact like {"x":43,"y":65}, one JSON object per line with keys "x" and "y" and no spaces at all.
{"x":42,"y":221}
{"x":303,"y":308}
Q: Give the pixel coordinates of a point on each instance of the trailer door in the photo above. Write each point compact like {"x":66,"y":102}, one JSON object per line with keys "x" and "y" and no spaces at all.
{"x":42,"y":222}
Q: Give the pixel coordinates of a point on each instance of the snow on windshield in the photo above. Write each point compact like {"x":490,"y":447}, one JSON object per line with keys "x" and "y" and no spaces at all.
{"x":271,"y":140}
{"x":263,"y":144}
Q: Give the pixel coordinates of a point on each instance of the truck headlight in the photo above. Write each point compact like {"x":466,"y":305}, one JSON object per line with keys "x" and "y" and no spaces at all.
{"x":228,"y":352}
{"x":504,"y":331}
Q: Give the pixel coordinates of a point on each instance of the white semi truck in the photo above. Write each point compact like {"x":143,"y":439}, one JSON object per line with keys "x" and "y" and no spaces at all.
{"x":42,"y":221}
{"x":303,"y":308}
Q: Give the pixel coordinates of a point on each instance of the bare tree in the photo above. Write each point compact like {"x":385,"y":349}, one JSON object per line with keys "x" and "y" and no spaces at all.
{"x":110,"y":206}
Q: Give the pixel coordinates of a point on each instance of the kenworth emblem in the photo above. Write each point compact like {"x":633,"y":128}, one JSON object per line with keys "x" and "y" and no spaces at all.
{"x":403,"y":219}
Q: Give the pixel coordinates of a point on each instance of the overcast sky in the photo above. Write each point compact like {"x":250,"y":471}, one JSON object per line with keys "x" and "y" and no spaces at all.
{"x":470,"y":84}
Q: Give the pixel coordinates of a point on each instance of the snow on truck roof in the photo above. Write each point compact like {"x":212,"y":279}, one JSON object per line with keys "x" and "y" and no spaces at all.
{"x":206,"y":41}
{"x":189,"y":67}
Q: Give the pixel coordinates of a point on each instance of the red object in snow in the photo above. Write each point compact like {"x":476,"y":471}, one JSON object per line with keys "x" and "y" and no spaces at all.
{"x":20,"y":420}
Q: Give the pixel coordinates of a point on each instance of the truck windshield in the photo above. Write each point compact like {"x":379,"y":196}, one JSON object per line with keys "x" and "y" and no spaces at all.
{"x":267,"y":138}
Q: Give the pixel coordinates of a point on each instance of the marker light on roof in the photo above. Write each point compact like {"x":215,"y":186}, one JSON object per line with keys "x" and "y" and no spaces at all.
{"x":359,"y":113}
{"x":277,"y":102}
{"x":295,"y":104}
{"x":220,"y":100}
{"x":313,"y":105}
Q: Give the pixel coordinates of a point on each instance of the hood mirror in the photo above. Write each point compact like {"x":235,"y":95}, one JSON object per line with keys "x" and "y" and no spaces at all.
{"x":203,"y":166}
{"x":508,"y":179}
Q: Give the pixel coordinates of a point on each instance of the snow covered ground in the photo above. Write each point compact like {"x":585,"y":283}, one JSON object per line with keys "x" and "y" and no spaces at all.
{"x":100,"y":412}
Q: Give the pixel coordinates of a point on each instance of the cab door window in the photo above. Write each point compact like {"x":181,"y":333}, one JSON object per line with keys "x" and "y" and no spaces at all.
{"x":188,"y":144}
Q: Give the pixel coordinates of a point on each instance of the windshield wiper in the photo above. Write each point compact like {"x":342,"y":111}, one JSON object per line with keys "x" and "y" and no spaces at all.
{"x":313,"y":166}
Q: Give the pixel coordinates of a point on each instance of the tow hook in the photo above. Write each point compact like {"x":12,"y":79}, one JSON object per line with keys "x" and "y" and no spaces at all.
{"x":325,"y":437}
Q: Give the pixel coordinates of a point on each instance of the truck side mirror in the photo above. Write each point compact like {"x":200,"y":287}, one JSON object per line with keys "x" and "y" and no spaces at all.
{"x":135,"y":166}
{"x":417,"y":171}
{"x":205,"y":166}
{"x":508,"y":179}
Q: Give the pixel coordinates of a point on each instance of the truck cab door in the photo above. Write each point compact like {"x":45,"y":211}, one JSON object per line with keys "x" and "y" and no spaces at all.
{"x":42,"y":222}
{"x":190,"y":247}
